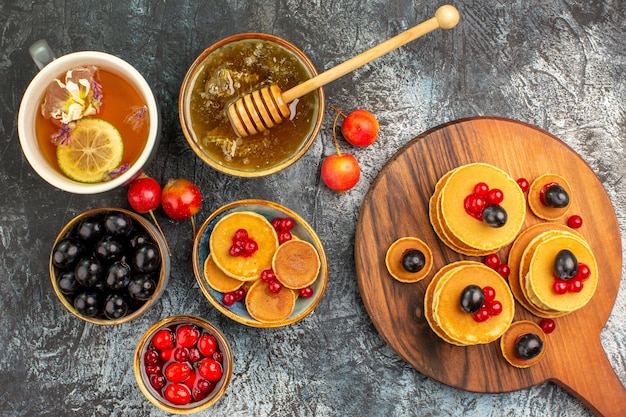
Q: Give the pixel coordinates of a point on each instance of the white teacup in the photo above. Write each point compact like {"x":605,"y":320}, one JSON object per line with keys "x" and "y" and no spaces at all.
{"x":33,"y":96}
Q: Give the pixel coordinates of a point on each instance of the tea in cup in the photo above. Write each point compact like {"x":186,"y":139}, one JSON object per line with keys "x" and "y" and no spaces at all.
{"x":88,"y":121}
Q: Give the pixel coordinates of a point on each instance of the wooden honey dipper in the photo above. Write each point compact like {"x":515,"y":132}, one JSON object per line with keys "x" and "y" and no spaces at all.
{"x":264,"y":108}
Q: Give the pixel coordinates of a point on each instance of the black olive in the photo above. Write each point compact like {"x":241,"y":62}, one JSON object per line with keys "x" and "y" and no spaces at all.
{"x":565,"y":265}
{"x":495,"y":215}
{"x":89,"y":229}
{"x":555,"y":196}
{"x":118,"y":276}
{"x":109,"y":248}
{"x":87,"y":303}
{"x":141,"y":287}
{"x":115,"y":307}
{"x":118,"y":223}
{"x":67,"y":252}
{"x":88,"y":271}
{"x":413,"y":260}
{"x":147,"y":258}
{"x":528,"y":346}
{"x":472,"y":299}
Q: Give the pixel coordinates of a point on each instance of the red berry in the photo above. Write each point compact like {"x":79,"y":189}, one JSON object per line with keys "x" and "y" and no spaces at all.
{"x":205,"y":386}
{"x":194,"y":355}
{"x":181,"y":354}
{"x":560,"y":286}
{"x":239,"y":293}
{"x":250,"y":246}
{"x":495,"y":196}
{"x":276,"y":223}
{"x":284,"y":237}
{"x":157,"y":381}
{"x":360,"y":128}
{"x":474,"y":205}
{"x":207,"y":345}
{"x":286,"y":224}
{"x":490,"y":294}
{"x":523,"y":184}
{"x":481,"y":315}
{"x":492,"y":260}
{"x":481,"y":189}
{"x":275,"y":286}
{"x":163,"y":339}
{"x":187,"y":335}
{"x":267,"y":275}
{"x":144,"y":194}
{"x":228,"y":298}
{"x":191,"y":381}
{"x":503,"y":270}
{"x":584,"y":271}
{"x":575,"y":285}
{"x":494,"y":307}
{"x":241,"y":235}
{"x":575,"y":221}
{"x":306,"y":292}
{"x":151,"y":357}
{"x":178,"y":394}
{"x":181,"y":199}
{"x":166,"y":354}
{"x":210,"y":369}
{"x":547,"y":325}
{"x":154,"y":369}
{"x":177,"y":372}
{"x":218,"y":356}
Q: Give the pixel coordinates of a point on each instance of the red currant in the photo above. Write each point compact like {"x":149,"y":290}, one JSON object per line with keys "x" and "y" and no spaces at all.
{"x":547,"y":325}
{"x":240,"y":235}
{"x":228,"y":299}
{"x":503,"y":270}
{"x":163,"y":339}
{"x":494,"y":307}
{"x":575,"y":221}
{"x":490,"y":294}
{"x":306,"y":292}
{"x":267,"y":275}
{"x":481,"y":315}
{"x":495,"y":196}
{"x":178,"y":394}
{"x":560,"y":286}
{"x":187,"y":335}
{"x":286,"y":224}
{"x":481,"y":189}
{"x":235,"y":250}
{"x":523,"y":184}
{"x":492,"y":260}
{"x":275,"y":286}
{"x":210,"y":369}
{"x":239,"y":293}
{"x":207,"y":345}
{"x":575,"y":285}
{"x":276,"y":223}
{"x":284,"y":237}
{"x":250,"y":246}
{"x":474,"y":205}
{"x":177,"y":372}
{"x":584,"y":271}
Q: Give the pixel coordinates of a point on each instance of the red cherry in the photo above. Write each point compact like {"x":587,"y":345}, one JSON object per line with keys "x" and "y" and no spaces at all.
{"x":575,"y":221}
{"x":274,"y":286}
{"x":584,"y":271}
{"x":210,"y":369}
{"x":228,"y":298}
{"x":306,"y":292}
{"x":144,"y":194}
{"x":207,"y":345}
{"x":181,"y":199}
{"x":481,"y":315}
{"x":495,"y":196}
{"x":559,"y":286}
{"x":481,"y":189}
{"x":503,"y":270}
{"x":151,"y":357}
{"x":163,"y":339}
{"x":340,"y":172}
{"x":492,"y":260}
{"x":490,"y":294}
{"x":494,"y":307}
{"x":360,"y":128}
{"x":575,"y":285}
{"x":177,"y":372}
{"x":178,"y":394}
{"x":267,"y":275}
{"x":523,"y":184}
{"x":547,"y":325}
{"x":187,"y":335}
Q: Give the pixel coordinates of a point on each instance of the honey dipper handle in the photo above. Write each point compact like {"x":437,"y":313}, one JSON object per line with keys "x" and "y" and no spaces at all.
{"x":446,"y":17}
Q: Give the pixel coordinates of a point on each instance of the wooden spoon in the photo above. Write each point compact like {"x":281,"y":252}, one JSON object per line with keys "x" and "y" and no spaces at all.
{"x":266,"y":107}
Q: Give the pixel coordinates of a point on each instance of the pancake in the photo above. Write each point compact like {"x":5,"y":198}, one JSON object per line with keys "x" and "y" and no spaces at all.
{"x":259,"y":229}
{"x":534,"y":197}
{"x":268,"y":307}
{"x":507,"y":343}
{"x":461,"y":326}
{"x":296,"y":264}
{"x":217,"y":279}
{"x":393,"y":259}
{"x":469,"y":231}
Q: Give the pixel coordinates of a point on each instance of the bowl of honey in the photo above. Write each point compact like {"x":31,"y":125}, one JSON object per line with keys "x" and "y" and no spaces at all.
{"x":88,"y":122}
{"x":233,"y":68}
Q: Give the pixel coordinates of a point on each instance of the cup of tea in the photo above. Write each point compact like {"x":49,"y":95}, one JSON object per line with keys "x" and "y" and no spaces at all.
{"x":88,"y":121}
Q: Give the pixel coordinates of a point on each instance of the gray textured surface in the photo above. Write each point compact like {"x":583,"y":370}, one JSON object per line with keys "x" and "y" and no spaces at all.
{"x":558,"y":65}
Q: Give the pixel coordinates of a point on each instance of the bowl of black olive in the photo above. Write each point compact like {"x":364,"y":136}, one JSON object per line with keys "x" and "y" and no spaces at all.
{"x":109,"y":265}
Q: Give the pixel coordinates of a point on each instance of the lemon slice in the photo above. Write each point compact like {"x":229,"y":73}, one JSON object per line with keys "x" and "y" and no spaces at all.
{"x":94,"y":150}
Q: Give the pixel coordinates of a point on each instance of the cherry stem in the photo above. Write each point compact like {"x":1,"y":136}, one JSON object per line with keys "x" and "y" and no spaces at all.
{"x":169,"y":252}
{"x":335,"y":129}
{"x":193,"y":226}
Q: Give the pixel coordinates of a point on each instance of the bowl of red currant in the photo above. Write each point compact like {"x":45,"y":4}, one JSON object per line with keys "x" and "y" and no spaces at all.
{"x":183,"y":364}
{"x":108,"y":265}
{"x":261,"y":298}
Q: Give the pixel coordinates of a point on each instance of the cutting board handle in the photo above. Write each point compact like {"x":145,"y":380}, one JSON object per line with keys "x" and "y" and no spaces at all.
{"x":594,"y":381}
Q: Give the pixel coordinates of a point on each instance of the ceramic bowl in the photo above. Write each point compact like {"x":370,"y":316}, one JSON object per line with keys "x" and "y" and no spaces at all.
{"x":189,"y":101}
{"x":150,"y":367}
{"x":270,"y":210}
{"x":67,"y":290}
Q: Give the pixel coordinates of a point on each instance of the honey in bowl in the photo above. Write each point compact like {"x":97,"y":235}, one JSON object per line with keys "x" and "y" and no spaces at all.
{"x":119,"y":104}
{"x":232,"y":69}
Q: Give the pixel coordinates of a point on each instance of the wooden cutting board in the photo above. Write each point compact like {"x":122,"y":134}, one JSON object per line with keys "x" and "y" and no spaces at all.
{"x":397,"y":205}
